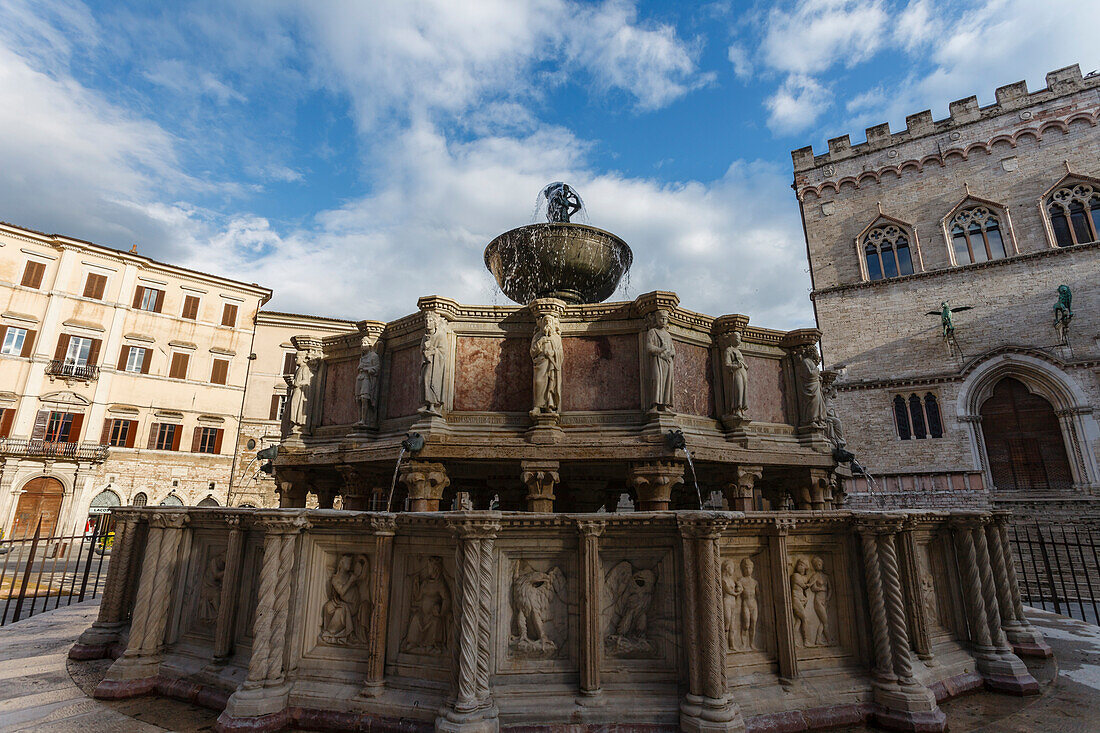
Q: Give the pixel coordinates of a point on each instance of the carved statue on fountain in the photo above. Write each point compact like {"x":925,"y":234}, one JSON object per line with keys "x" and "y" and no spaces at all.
{"x":366,"y":383}
{"x":810,"y":396}
{"x":736,"y":376}
{"x":435,"y":348}
{"x":561,"y":202}
{"x":547,"y":353}
{"x":660,"y":352}
{"x":299,"y":393}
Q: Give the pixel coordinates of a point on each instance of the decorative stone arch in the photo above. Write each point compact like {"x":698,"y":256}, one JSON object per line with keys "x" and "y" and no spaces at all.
{"x":172,"y":499}
{"x":885,"y":220}
{"x":1007,"y":230}
{"x":1069,"y":180}
{"x":1046,"y":379}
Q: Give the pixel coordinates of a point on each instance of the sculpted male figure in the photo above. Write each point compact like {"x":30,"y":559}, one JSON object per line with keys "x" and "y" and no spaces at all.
{"x":736,"y":374}
{"x":800,"y":585}
{"x":366,"y":384}
{"x":822,"y":589}
{"x":810,"y":392}
{"x":433,"y":369}
{"x":546,"y":353}
{"x":297,"y":407}
{"x":750,"y":608}
{"x":731,"y":604}
{"x":338,"y":614}
{"x":660,"y":351}
{"x":430,"y":607}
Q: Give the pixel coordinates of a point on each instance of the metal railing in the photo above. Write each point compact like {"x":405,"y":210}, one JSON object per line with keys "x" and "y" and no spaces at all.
{"x":1058,"y":569}
{"x":52,"y":449}
{"x":40,"y":573}
{"x":59,"y":368}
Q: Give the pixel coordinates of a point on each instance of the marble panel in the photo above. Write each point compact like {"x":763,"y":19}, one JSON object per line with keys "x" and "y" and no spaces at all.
{"x":403,"y":377}
{"x":767,"y":395}
{"x":492,"y":374}
{"x":338,"y":406}
{"x":694,"y":388}
{"x":601,"y":373}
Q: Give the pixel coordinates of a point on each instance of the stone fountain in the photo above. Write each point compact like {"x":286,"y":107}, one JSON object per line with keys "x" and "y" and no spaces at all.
{"x":548,"y":568}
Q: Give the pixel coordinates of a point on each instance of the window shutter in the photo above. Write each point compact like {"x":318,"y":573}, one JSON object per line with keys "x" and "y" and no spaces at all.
{"x":94,"y":286}
{"x":28,"y":343}
{"x":105,"y":438}
{"x":179,"y":366}
{"x":196,"y":440}
{"x":74,"y":429}
{"x":32,"y":274}
{"x":41,"y":420}
{"x":219,"y":373}
{"x":123,"y":357}
{"x":138,"y":292}
{"x":191,"y":307}
{"x":131,"y":433}
{"x":160,"y":302}
{"x":154,"y":428}
{"x":274,"y":414}
{"x":93,"y":353}
{"x":176,"y":435}
{"x":3,"y":333}
{"x":229,"y":315}
{"x":7,"y":416}
{"x":145,"y":361}
{"x":62,"y":346}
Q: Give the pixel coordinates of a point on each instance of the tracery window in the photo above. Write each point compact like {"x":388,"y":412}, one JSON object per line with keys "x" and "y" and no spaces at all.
{"x":976,"y":235}
{"x":917,"y":417}
{"x":1074,"y":211}
{"x":886,"y":251}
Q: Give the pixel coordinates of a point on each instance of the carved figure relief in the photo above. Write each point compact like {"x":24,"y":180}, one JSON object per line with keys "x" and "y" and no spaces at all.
{"x":345,"y":617}
{"x":834,"y":430}
{"x":539,"y":612}
{"x":736,"y":375}
{"x":210,"y":590}
{"x":299,"y":397}
{"x":435,"y":349}
{"x":630,"y":594}
{"x":928,"y":598}
{"x":811,"y":593}
{"x":740,"y":605}
{"x":430,"y":608}
{"x":547,"y":353}
{"x":660,"y":352}
{"x":366,"y":384}
{"x":810,"y":396}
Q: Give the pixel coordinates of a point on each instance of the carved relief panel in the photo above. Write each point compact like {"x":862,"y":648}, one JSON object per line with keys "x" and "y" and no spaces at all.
{"x":934,"y":582}
{"x":821,"y":603}
{"x":203,"y":585}
{"x":748,"y":623}
{"x":422,"y":616}
{"x":638,"y":609}
{"x":249,"y":590}
{"x":537,"y":601}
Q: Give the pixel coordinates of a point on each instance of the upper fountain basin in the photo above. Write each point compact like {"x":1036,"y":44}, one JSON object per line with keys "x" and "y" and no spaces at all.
{"x":572,"y":262}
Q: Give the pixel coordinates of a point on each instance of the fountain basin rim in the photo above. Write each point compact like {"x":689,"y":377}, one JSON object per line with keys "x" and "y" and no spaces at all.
{"x":629,"y":255}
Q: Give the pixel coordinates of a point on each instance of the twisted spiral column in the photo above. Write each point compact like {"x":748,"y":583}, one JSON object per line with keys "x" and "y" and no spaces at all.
{"x":144,"y":597}
{"x":265,"y":613}
{"x":162,"y":593}
{"x":1000,"y":574}
{"x":470,"y":572}
{"x":989,"y":591}
{"x":484,"y":619}
{"x":972,"y":586}
{"x":880,"y":630}
{"x":895,"y":609}
{"x":275,"y":670}
{"x":714,"y":647}
{"x":1010,"y":568}
{"x":110,"y":608}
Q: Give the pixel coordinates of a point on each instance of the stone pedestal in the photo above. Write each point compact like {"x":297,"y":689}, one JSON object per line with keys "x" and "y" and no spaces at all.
{"x":653,"y":482}
{"x":545,"y":428}
{"x":739,"y":492}
{"x":540,"y":478}
{"x":425,"y":483}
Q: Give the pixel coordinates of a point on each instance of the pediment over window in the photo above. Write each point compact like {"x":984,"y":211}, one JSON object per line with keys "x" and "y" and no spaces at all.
{"x":1071,"y":209}
{"x":64,"y":399}
{"x":886,"y":248}
{"x":978,"y":230}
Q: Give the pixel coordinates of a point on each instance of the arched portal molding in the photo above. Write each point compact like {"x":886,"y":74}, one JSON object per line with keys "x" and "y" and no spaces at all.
{"x":1042,"y":376}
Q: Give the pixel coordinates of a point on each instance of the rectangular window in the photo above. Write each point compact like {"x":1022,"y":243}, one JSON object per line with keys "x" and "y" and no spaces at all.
{"x":95,"y":285}
{"x":121,"y":433}
{"x":288,"y":362}
{"x":191,"y":307}
{"x":136,"y":357}
{"x":59,"y":429}
{"x":7,"y":417}
{"x":32,"y":274}
{"x":278,"y":402}
{"x":229,"y":315}
{"x":79,"y":350}
{"x":219,"y":373}
{"x":178,"y":370}
{"x":167,"y":436}
{"x":14,"y":338}
{"x":207,"y":440}
{"x":148,"y":299}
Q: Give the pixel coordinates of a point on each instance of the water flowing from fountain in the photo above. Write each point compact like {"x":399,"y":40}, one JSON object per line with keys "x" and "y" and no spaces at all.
{"x":694,"y":478}
{"x":389,"y":499}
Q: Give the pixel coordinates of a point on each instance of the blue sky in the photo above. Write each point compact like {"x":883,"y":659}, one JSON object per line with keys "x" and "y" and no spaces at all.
{"x":356,"y":155}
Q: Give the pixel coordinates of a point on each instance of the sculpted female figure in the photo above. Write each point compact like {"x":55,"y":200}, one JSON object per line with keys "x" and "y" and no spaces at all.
{"x":810,"y":393}
{"x":822,"y":589}
{"x":430,"y":607}
{"x":547,"y":352}
{"x":800,"y":586}
{"x":433,"y":368}
{"x":661,"y":352}
{"x":338,"y":614}
{"x":736,"y":373}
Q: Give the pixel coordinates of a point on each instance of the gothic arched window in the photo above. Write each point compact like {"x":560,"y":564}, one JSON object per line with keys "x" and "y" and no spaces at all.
{"x":886,"y":252}
{"x":917,"y":416}
{"x":976,"y":235}
{"x":1074,"y":211}
{"x":140,"y":499}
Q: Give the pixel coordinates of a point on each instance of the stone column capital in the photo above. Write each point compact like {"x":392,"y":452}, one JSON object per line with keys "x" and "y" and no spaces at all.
{"x":782,"y":526}
{"x":591,"y":527}
{"x":169,"y":519}
{"x":383,"y":524}
{"x":702,"y":525}
{"x":279,"y":523}
{"x":474,"y":527}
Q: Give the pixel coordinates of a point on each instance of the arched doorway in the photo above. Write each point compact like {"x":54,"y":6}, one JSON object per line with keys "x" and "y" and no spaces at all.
{"x":209,"y":501}
{"x":171,"y":500}
{"x":1023,"y":440}
{"x":40,"y":500}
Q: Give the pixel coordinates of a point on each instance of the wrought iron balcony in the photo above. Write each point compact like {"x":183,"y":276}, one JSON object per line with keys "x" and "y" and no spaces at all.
{"x":51,"y":449}
{"x":59,"y":368}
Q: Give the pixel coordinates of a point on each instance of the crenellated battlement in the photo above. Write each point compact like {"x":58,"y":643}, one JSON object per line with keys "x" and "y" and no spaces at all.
{"x":1010,"y":97}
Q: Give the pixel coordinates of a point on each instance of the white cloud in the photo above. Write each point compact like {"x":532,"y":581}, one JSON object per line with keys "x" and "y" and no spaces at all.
{"x":178,"y":77}
{"x":797,"y":104}
{"x":916,"y":26}
{"x":739,"y":57}
{"x":819,"y":34}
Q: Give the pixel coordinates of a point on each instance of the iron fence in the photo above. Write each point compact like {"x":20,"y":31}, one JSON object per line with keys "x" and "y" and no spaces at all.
{"x":1058,"y":569}
{"x":53,"y":449}
{"x":41,"y":573}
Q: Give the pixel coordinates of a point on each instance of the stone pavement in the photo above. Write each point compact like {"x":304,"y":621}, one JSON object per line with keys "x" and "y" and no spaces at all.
{"x":41,"y":690}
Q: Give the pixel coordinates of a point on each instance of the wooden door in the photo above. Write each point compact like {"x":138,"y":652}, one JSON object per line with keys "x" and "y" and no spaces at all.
{"x":1023,"y":440}
{"x":41,"y":499}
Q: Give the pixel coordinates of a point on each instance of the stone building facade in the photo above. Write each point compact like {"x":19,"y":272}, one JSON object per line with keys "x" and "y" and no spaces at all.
{"x":265,"y":397}
{"x":990,"y":210}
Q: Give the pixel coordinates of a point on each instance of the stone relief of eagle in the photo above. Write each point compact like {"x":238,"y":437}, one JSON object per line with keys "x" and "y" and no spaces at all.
{"x":536,"y":628}
{"x":628,"y":596}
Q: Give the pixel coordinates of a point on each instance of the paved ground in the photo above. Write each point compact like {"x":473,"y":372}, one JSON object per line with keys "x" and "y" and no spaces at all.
{"x":40,"y":690}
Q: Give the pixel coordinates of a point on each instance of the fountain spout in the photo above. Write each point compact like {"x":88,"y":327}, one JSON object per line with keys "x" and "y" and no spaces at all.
{"x":674,"y":441}
{"x":413,"y":443}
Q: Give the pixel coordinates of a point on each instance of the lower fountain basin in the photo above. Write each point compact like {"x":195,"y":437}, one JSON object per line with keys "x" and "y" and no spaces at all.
{"x":572,"y":262}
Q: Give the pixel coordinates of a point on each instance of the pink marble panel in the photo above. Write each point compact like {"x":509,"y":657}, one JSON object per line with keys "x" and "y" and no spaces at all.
{"x":600,"y":373}
{"x":767,"y":395}
{"x":493,"y":374}
{"x":338,"y":406}
{"x":694,"y":380}
{"x":403,"y":378}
